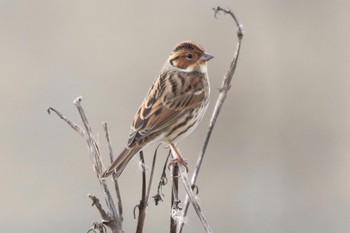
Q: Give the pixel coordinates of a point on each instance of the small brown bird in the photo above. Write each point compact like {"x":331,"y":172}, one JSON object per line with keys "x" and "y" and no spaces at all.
{"x":172,"y":108}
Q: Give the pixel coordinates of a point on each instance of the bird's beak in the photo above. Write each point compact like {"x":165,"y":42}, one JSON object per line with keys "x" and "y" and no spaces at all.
{"x":206,"y":57}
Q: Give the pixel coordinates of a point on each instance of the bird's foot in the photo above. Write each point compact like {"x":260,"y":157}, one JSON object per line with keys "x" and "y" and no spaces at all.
{"x":178,"y":161}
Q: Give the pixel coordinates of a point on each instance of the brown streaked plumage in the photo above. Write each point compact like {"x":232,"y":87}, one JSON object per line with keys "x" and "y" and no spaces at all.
{"x":173,"y":107}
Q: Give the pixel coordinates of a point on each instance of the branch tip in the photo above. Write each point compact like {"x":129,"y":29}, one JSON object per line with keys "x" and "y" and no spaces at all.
{"x":77,"y":100}
{"x":217,"y":11}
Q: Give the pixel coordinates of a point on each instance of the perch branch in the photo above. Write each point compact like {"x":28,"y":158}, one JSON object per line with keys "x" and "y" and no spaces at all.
{"x":226,"y":84}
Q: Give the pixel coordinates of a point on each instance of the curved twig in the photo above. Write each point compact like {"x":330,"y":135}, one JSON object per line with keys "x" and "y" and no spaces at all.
{"x":226,"y":84}
{"x":162,"y":182}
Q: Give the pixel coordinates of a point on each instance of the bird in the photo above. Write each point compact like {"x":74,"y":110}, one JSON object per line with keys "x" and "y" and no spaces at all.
{"x":173,"y":106}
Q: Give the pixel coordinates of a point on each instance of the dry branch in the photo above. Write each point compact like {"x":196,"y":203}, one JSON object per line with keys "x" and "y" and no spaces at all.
{"x":112,"y":218}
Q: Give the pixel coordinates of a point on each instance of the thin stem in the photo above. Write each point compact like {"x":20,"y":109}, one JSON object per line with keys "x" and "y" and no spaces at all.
{"x":143,"y":202}
{"x":174,"y":198}
{"x":145,"y":195}
{"x":115,"y":181}
{"x":152,"y":172}
{"x":193,"y":200}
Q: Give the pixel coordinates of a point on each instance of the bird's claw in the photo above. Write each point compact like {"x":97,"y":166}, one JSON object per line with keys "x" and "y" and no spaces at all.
{"x":178,"y":161}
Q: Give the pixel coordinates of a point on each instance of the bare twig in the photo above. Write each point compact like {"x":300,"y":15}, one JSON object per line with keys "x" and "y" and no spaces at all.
{"x":226,"y":84}
{"x":94,"y":152}
{"x":152,"y":172}
{"x":115,"y":181}
{"x":162,"y":182}
{"x":144,"y":195}
{"x":70,"y":123}
{"x":105,"y":127}
{"x":112,"y":219}
{"x":143,"y":202}
{"x":193,"y":200}
{"x":91,"y":141}
{"x":96,"y":202}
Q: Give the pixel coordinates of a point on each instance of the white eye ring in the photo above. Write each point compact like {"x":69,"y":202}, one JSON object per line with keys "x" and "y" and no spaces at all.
{"x":189,"y":56}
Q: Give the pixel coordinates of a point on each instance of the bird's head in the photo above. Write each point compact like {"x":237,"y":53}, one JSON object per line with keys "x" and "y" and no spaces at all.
{"x":188,"y":56}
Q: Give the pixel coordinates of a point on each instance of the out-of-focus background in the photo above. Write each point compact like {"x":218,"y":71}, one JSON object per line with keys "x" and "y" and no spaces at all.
{"x":278,"y":160}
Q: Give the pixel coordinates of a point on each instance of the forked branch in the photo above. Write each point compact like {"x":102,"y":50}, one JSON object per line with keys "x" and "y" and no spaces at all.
{"x":112,"y":219}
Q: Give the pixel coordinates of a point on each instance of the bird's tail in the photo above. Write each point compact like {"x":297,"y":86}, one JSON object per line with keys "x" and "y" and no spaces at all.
{"x":120,"y":163}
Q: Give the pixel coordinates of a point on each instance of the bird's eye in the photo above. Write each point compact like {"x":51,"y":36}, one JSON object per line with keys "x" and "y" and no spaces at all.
{"x":189,"y":56}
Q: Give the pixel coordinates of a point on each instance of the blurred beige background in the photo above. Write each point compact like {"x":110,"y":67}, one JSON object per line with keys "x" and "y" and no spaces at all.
{"x":278,"y":160}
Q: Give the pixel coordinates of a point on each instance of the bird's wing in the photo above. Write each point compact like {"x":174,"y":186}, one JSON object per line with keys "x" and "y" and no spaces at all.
{"x":168,"y":100}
